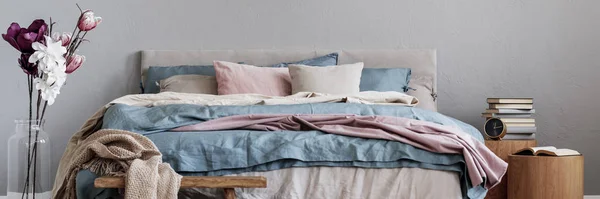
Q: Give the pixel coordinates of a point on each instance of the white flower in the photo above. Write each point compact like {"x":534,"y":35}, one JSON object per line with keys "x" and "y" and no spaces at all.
{"x":49,"y":56}
{"x":57,"y":77}
{"x":48,"y":91}
{"x":51,"y":83}
{"x":52,"y":68}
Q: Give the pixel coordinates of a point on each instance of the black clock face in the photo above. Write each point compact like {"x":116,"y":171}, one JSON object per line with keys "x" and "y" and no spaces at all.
{"x":494,"y":127}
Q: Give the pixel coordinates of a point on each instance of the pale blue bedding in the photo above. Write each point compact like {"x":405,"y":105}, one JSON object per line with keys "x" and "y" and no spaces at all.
{"x":237,"y":151}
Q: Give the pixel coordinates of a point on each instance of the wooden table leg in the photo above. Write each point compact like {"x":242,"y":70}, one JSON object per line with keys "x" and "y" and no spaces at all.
{"x":229,"y":193}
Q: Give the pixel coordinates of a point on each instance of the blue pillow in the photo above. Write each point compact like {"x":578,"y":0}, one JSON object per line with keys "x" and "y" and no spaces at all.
{"x":385,"y":79}
{"x":157,"y":73}
{"x":326,"y":60}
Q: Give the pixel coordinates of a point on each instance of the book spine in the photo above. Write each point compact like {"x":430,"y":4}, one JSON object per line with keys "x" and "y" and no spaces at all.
{"x":521,"y":130}
{"x":511,"y":106}
{"x":509,"y":101}
{"x":516,"y":115}
{"x":519,"y":137}
{"x":518,"y":120}
{"x":510,"y":111}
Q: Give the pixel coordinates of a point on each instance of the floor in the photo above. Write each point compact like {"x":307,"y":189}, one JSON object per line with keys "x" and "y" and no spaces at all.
{"x":585,"y":197}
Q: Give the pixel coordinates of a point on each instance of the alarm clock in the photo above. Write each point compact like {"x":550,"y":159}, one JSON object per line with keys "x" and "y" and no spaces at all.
{"x":494,"y":128}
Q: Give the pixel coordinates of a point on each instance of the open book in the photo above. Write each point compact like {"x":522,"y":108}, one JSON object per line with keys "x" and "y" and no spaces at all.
{"x":546,"y":151}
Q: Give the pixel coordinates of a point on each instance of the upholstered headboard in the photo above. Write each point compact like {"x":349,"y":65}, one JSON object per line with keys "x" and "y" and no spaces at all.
{"x":422,"y":63}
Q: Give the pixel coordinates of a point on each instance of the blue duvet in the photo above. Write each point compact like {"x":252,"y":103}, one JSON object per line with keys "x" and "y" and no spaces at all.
{"x":237,"y":151}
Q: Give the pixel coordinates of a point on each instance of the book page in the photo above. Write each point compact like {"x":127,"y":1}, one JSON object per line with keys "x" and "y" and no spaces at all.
{"x":534,"y":150}
{"x":547,"y":148}
{"x":565,"y":152}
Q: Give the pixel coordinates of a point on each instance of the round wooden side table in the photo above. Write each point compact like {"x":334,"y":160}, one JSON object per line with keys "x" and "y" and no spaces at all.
{"x":545,"y":177}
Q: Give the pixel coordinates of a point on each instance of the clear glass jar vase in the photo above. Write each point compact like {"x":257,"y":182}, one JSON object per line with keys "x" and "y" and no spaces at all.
{"x":29,"y":161}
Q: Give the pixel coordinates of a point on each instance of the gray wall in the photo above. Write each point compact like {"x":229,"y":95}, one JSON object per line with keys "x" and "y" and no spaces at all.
{"x":546,"y":49}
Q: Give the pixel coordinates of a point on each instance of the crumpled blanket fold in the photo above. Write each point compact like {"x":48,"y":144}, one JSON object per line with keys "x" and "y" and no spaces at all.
{"x":119,"y":153}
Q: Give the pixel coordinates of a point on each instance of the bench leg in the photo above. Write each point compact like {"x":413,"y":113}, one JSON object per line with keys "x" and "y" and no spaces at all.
{"x":229,"y":193}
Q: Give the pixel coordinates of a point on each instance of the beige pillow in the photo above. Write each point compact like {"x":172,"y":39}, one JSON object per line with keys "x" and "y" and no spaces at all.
{"x":340,"y":79}
{"x":421,"y":89}
{"x":189,"y":84}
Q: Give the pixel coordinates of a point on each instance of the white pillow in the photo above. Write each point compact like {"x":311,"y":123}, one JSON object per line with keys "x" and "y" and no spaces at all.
{"x":340,"y":79}
{"x":189,"y":84}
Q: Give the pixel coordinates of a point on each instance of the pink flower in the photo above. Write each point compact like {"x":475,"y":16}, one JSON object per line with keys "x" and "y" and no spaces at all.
{"x":65,"y":38}
{"x":87,"y":21}
{"x":74,"y":62}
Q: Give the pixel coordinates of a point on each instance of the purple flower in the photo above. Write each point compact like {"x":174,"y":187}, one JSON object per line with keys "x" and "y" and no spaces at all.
{"x":11,"y":35}
{"x":29,"y":68}
{"x":22,"y":38}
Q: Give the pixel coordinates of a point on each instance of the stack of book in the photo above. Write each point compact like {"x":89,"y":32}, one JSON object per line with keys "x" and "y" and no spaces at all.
{"x":516,"y":113}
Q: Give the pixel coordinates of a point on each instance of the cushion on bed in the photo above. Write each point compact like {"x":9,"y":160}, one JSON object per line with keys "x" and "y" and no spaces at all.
{"x":235,"y":78}
{"x":340,"y":79}
{"x":189,"y":84}
{"x":157,"y":73}
{"x":420,"y":88}
{"x":385,"y":79}
{"x":326,"y":60}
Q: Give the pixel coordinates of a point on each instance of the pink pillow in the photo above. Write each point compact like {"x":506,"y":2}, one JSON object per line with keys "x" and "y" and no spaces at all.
{"x":235,"y":78}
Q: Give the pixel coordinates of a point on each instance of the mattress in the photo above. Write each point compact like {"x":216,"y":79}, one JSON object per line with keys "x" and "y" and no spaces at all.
{"x":345,"y":183}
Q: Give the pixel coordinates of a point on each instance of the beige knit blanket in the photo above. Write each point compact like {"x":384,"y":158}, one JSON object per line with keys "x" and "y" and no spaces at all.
{"x":114,"y":152}
{"x":121,"y":153}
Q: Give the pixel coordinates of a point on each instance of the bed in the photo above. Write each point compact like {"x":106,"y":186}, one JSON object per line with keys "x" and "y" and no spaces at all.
{"x":365,"y":168}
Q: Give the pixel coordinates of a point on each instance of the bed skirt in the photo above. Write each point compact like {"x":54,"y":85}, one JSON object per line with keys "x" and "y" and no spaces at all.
{"x":345,"y":183}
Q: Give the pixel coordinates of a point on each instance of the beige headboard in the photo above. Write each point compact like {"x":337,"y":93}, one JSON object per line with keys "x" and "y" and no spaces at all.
{"x":422,"y":63}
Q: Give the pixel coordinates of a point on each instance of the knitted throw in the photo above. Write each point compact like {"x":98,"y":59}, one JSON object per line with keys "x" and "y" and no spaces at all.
{"x":116,"y":153}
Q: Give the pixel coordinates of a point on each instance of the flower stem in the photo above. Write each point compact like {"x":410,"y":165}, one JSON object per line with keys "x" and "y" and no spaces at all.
{"x":35,"y":146}
{"x":29,"y":128}
{"x":32,"y":159}
{"x":80,"y":40}
{"x":30,"y":87}
{"x":49,"y":31}
{"x":72,"y":39}
{"x":37,"y":132}
{"x":37,"y":112}
{"x":80,"y":10}
{"x":44,"y":110}
{"x":72,"y":45}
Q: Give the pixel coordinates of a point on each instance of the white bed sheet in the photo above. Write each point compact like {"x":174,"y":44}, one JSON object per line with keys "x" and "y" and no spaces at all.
{"x":345,"y":183}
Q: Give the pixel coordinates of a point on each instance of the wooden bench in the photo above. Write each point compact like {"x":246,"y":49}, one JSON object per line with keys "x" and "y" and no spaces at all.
{"x":228,"y":183}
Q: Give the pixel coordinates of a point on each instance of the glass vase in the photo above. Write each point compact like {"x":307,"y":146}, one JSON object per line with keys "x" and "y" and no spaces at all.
{"x":29,"y":161}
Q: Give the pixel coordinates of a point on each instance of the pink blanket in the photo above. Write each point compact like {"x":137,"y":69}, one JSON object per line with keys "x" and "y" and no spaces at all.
{"x":481,"y":162}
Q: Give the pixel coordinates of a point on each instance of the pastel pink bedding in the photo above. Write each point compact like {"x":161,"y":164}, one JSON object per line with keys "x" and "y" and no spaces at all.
{"x":480,"y":161}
